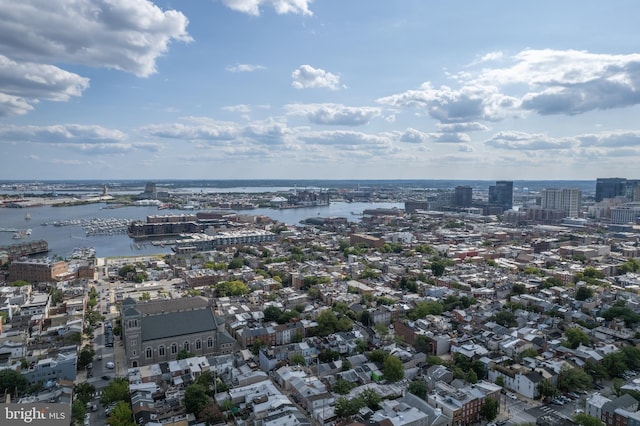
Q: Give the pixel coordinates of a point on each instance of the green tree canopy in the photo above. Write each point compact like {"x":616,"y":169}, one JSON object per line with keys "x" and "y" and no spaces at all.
{"x":116,"y":390}
{"x":393,"y":369}
{"x":571,"y":379}
{"x":489,"y":410}
{"x":11,"y":380}
{"x":121,"y":415}
{"x":195,"y":398}
{"x":575,"y":337}
{"x":418,"y":388}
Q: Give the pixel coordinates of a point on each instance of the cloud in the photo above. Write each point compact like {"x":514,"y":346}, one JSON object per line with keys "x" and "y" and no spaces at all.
{"x":282,"y":7}
{"x":614,"y":139}
{"x":413,"y":136}
{"x":209,"y":130}
{"x":525,"y":141}
{"x":450,"y":137}
{"x":545,"y":81}
{"x":128,"y":35}
{"x":462,"y":127}
{"x":465,"y":148}
{"x":62,"y":134}
{"x":345,"y":138}
{"x":334,"y":114}
{"x":241,"y":108}
{"x":307,"y":77}
{"x":489,"y":57}
{"x":25,"y":83}
{"x":244,"y":68}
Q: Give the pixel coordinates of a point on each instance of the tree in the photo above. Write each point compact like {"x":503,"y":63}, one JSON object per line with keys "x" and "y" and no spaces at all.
{"x":393,"y":369}
{"x":518,"y":288}
{"x":418,"y":388}
{"x":584,"y":293}
{"x":12,"y":381}
{"x":371,"y":398}
{"x":472,"y":377}
{"x":575,"y":337}
{"x":348,"y":407}
{"x":546,"y":389}
{"x":84,"y":392}
{"x":500,"y":381}
{"x":121,"y":415}
{"x":117,"y":390}
{"x":587,"y":420}
{"x":236,"y":263}
{"x":257,"y":345}
{"x":272,"y":313}
{"x":184,"y":354}
{"x":78,"y":411}
{"x":231,"y":288}
{"x":437,"y":267}
{"x":297,"y":359}
{"x":377,"y":355}
{"x":86,"y":356}
{"x":571,"y":379}
{"x":343,"y":387}
{"x":489,"y":409}
{"x":195,"y":398}
{"x":145,"y":296}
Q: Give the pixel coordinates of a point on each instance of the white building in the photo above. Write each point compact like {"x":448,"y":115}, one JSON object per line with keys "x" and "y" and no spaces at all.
{"x":567,"y":199}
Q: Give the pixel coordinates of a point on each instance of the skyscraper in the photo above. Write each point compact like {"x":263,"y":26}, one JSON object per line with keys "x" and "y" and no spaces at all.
{"x":610,"y":188}
{"x":565,"y":199}
{"x":502,"y":194}
{"x":463,"y":196}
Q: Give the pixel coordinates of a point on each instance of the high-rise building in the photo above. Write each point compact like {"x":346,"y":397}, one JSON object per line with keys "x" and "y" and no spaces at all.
{"x":502,"y":194}
{"x":610,"y":188}
{"x":568,"y":200}
{"x":463,"y":196}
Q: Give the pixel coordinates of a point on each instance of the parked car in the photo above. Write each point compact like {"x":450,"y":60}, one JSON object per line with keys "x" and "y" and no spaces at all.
{"x":105,"y":377}
{"x":512,"y":395}
{"x":110,"y":365}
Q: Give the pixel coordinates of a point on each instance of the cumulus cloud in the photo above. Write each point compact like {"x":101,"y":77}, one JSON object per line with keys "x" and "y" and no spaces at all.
{"x":205,"y":131}
{"x":413,"y":136}
{"x":614,"y":139}
{"x":127,"y":35}
{"x":526,"y":141}
{"x":465,"y":148}
{"x":346,"y":137}
{"x":244,"y":68}
{"x":282,"y":7}
{"x":462,"y":127}
{"x":62,"y":133}
{"x":450,"y":137}
{"x":334,"y":114}
{"x":546,"y":82}
{"x":308,"y":77}
{"x":25,"y":83}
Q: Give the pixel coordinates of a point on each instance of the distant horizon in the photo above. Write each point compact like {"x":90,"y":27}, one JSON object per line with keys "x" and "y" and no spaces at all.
{"x":319,"y":90}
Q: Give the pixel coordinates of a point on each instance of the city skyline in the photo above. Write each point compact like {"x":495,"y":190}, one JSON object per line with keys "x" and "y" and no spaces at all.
{"x":302,"y":89}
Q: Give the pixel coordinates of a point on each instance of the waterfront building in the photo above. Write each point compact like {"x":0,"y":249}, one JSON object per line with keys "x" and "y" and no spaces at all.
{"x":37,"y":270}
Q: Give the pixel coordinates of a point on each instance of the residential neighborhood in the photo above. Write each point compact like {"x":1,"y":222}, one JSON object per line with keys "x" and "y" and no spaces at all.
{"x":407,"y":317}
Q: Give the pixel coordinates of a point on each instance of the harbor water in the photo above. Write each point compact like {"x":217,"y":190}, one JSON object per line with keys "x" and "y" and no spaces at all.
{"x":65,"y":228}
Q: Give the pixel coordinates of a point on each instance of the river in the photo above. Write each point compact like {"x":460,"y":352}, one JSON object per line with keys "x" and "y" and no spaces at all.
{"x":63,"y":240}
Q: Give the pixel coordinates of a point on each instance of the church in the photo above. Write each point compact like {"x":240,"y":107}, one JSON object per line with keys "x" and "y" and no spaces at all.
{"x":156,"y":331}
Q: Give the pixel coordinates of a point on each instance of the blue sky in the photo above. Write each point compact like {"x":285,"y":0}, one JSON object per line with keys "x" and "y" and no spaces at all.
{"x":319,"y":89}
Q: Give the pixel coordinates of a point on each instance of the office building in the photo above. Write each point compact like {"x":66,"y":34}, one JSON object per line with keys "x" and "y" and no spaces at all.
{"x":501,"y":194}
{"x":610,"y":188}
{"x":565,"y":199}
{"x":463,"y":196}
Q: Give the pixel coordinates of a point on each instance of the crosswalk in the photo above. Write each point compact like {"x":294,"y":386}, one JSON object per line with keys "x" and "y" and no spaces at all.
{"x":548,"y":410}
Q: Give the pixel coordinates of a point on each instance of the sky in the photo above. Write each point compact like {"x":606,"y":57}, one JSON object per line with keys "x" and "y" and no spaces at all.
{"x":319,"y":89}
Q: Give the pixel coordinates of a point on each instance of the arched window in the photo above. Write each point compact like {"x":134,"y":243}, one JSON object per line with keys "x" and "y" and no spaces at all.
{"x":174,"y":349}
{"x":210,"y":342}
{"x":161,"y":350}
{"x":148,"y":352}
{"x":186,"y":346}
{"x":198,"y":345}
